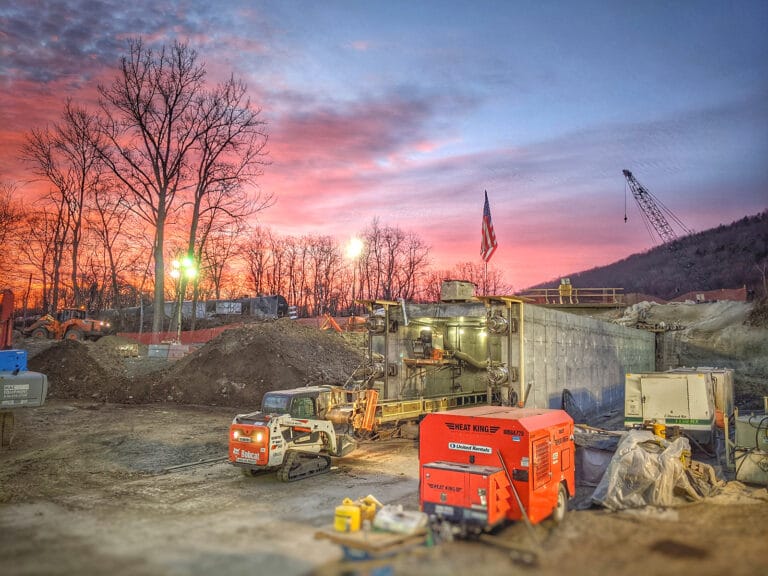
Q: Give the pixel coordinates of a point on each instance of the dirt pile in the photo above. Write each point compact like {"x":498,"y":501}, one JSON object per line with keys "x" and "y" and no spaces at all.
{"x":240,"y":365}
{"x":72,"y":371}
{"x":758,"y":316}
{"x":234,"y":369}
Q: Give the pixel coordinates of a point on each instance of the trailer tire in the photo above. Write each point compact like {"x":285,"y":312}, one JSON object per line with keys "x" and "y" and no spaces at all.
{"x":558,"y":514}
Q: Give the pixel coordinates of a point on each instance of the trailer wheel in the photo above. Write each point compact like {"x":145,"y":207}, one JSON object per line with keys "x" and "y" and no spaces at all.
{"x":558,"y":514}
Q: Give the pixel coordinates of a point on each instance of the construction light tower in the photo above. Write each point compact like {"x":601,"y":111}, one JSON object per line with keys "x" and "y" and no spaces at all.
{"x":654,"y":212}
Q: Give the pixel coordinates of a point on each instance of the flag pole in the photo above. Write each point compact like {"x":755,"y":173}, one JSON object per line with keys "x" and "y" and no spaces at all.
{"x":488,"y":241}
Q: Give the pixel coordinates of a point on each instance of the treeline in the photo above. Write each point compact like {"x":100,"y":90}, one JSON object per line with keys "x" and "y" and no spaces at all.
{"x":313,"y":272}
{"x":729,"y":256}
{"x":165,"y":169}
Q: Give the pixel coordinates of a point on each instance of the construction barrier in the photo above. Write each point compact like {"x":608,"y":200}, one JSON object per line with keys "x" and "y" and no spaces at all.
{"x":187,"y":336}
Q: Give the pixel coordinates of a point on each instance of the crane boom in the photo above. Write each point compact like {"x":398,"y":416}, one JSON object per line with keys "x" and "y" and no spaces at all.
{"x":653,"y":210}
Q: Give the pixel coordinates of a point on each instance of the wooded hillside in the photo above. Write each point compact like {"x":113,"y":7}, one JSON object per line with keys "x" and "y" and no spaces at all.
{"x":729,"y":256}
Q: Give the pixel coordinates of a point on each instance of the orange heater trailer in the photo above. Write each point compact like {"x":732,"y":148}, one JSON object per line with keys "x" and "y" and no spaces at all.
{"x":485,"y":465}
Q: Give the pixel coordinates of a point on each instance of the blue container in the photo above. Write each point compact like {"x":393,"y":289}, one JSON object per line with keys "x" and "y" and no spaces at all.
{"x":13,"y":360}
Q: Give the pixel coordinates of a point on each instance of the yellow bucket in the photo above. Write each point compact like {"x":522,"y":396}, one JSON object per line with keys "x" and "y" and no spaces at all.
{"x":659,"y":430}
{"x":347,"y":518}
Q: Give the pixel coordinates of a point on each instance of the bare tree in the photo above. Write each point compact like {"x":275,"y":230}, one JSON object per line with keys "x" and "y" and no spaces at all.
{"x":227,"y":156}
{"x":64,"y":156}
{"x":152,"y":118}
{"x":492,"y":283}
{"x":392,"y":262}
{"x":41,"y":246}
{"x":218,"y":252}
{"x":112,"y":222}
{"x":414,"y":260}
{"x":11,"y":215}
{"x":254,"y":250}
{"x":323,"y":265}
{"x":762,"y":268}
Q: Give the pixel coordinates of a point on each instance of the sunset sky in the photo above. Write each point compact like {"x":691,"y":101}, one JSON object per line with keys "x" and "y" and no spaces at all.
{"x":408,"y":110}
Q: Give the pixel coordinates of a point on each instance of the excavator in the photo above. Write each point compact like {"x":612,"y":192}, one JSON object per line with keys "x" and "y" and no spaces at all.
{"x":68,"y":324}
{"x":297,"y":431}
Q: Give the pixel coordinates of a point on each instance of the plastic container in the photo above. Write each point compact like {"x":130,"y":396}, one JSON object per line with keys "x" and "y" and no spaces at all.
{"x":395,"y":519}
{"x":347,"y":518}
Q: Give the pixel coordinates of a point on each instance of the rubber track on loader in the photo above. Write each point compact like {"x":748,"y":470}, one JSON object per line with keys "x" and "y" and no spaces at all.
{"x":298,"y":465}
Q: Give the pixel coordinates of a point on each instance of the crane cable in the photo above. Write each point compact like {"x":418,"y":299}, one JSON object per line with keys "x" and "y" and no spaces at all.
{"x":625,"y":201}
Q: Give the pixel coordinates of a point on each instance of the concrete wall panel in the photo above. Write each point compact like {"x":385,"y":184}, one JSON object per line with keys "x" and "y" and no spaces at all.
{"x":559,"y":351}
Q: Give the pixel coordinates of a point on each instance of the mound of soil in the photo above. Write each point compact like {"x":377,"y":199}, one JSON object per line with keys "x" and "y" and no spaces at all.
{"x":72,"y":371}
{"x":234,"y":369}
{"x":237,"y":367}
{"x":758,"y":315}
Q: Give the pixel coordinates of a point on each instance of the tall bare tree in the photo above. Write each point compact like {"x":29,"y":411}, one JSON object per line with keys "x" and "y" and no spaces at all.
{"x":41,"y":246}
{"x":254,"y":251}
{"x":227,"y":157}
{"x":63,"y":155}
{"x":113,"y":224}
{"x":392,"y":262}
{"x":152,"y":118}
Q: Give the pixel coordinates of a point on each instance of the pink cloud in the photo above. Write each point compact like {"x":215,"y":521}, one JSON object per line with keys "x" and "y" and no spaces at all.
{"x":360,"y":45}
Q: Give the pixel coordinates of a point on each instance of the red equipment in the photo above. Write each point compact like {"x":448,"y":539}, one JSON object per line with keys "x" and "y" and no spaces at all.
{"x":6,"y":320}
{"x":485,"y":465}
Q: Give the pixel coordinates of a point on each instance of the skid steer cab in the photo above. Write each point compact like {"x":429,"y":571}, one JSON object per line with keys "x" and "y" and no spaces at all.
{"x":297,"y":431}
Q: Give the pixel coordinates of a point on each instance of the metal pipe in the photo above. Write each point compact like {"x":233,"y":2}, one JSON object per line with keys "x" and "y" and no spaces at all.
{"x":480,"y":364}
{"x":521,"y":329}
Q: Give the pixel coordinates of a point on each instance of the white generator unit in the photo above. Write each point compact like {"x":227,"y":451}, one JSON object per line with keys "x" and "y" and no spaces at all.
{"x":751,"y":454}
{"x":722,"y":380}
{"x":684,"y":398}
{"x":752,"y":432}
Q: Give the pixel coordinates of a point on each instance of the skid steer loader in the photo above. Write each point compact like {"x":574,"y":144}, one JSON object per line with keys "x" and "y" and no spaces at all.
{"x":297,"y":431}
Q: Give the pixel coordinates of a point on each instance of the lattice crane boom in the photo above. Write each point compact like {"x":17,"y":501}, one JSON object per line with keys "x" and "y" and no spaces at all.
{"x":654,"y":211}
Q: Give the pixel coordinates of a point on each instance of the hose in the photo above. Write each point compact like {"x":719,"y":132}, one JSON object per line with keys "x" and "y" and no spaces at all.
{"x":700,"y":447}
{"x":469,"y":360}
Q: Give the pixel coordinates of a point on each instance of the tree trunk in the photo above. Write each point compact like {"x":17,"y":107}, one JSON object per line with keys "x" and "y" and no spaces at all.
{"x":158,"y":317}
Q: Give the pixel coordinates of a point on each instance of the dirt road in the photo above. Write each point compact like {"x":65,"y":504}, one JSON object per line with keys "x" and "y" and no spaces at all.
{"x":83,"y":491}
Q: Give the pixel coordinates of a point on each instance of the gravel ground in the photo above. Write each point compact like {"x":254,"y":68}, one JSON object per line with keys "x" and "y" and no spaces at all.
{"x":85,"y":489}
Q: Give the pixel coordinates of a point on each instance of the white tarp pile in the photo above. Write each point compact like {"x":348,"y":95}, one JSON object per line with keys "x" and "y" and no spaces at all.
{"x":649,"y":471}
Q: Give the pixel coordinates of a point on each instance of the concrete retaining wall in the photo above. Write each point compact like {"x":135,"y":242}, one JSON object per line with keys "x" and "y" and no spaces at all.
{"x":588,"y":357}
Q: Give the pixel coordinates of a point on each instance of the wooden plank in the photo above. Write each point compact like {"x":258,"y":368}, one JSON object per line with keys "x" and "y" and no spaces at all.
{"x":371,"y":541}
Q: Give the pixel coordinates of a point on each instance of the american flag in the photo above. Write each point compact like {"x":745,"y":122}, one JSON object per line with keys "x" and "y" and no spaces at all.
{"x":488,"y":244}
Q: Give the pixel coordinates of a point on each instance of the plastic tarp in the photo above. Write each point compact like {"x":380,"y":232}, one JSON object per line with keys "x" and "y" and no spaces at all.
{"x":594,"y":452}
{"x":649,"y":471}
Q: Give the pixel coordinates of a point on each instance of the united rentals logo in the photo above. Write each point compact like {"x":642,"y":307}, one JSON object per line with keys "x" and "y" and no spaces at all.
{"x":470,"y":448}
{"x":484,"y":428}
